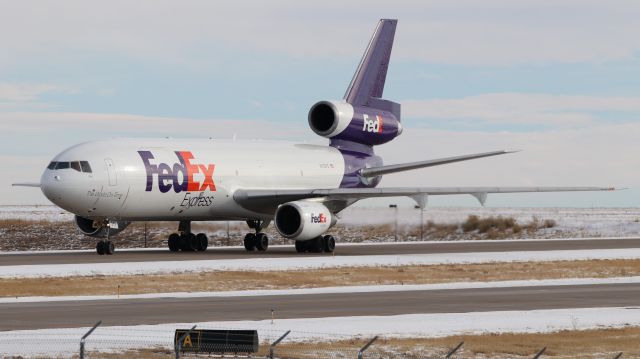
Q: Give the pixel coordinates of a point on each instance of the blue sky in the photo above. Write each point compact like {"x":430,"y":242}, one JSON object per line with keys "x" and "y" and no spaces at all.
{"x":558,"y":79}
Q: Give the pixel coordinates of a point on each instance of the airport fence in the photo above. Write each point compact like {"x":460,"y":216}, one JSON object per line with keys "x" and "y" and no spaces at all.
{"x":160,"y":342}
{"x":135,"y":342}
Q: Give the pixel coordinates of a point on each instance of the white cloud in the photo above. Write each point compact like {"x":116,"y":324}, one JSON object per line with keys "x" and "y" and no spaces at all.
{"x":19,"y":168}
{"x":14,"y":94}
{"x":492,"y":32}
{"x":88,"y":125}
{"x":601,"y":155}
{"x":556,"y":110}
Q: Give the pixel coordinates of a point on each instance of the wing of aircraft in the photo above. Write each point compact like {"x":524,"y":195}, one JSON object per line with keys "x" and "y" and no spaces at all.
{"x":337,"y":199}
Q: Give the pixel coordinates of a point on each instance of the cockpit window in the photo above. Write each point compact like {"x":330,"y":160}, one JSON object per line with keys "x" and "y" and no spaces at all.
{"x":62,"y":165}
{"x":80,"y":166}
{"x":85,"y":166}
{"x":76,"y":166}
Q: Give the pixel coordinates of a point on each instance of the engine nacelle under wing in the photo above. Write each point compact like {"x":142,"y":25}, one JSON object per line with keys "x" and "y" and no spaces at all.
{"x":98,"y":229}
{"x":360,"y":124}
{"x":303,"y":220}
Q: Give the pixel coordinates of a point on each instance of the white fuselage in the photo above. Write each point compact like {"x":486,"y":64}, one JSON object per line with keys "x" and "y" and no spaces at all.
{"x":121,"y":187}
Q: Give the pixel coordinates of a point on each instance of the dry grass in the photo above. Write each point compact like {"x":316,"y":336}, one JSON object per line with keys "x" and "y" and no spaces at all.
{"x":503,"y":227}
{"x":569,"y":344}
{"x":21,"y":223}
{"x":566,"y":344}
{"x":242,"y":280}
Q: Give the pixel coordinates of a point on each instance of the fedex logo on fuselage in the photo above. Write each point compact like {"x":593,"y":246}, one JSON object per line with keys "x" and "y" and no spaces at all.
{"x":179,"y":175}
{"x":321,"y":218}
{"x":372,"y":125}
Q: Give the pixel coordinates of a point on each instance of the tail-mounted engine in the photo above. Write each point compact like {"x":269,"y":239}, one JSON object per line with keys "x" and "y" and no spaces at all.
{"x":360,"y":124}
{"x":363,"y":116}
{"x":303,"y":220}
{"x":98,"y":229}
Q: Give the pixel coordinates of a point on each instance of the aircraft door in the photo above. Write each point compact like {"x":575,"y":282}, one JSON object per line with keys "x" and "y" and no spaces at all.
{"x":111,"y":172}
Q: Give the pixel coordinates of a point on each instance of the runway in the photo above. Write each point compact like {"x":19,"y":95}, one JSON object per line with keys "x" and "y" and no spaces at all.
{"x":7,"y":259}
{"x":70,"y":314}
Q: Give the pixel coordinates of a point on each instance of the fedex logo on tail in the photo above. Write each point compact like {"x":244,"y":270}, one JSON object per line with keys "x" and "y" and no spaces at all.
{"x":372,"y":125}
{"x":180,"y":175}
{"x":321,"y":218}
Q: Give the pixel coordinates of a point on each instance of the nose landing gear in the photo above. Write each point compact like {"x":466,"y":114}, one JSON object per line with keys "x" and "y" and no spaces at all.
{"x":186,"y":241}
{"x":105,"y":246}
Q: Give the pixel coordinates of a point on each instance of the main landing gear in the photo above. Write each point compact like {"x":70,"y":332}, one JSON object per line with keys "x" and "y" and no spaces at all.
{"x":186,"y":241}
{"x":259,"y":240}
{"x":317,"y":245}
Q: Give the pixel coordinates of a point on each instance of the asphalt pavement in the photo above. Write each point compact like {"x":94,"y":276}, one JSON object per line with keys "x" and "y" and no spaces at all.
{"x":63,"y":314}
{"x":341,"y":250}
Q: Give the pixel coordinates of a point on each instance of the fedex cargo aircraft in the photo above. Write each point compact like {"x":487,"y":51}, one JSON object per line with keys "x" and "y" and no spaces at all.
{"x":300,"y":187}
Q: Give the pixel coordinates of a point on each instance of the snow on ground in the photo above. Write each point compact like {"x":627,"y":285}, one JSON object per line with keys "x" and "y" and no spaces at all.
{"x":35,"y":213}
{"x":333,"y":290}
{"x":582,"y":221}
{"x":299,"y":263}
{"x":65,"y":341}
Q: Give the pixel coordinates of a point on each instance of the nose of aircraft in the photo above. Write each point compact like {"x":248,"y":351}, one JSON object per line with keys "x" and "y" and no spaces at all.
{"x":65,"y":184}
{"x":52,"y":186}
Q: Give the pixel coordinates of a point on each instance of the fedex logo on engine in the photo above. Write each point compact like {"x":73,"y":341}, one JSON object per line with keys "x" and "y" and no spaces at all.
{"x":321,"y":218}
{"x":372,"y":125}
{"x":180,"y":175}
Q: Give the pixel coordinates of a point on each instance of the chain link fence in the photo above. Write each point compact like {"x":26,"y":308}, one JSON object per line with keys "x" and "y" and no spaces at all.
{"x":148,"y":342}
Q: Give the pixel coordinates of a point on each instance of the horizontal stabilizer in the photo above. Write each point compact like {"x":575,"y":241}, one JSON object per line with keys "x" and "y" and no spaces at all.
{"x":27,"y":184}
{"x":382,"y":170}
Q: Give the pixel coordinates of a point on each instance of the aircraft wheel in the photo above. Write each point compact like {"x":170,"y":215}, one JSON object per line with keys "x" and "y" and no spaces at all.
{"x":174,"y":242}
{"x":100,"y":247}
{"x":261,"y":242}
{"x":109,"y":248}
{"x":188,"y":242}
{"x":328,"y":243}
{"x":250,"y":242}
{"x":315,"y":245}
{"x":301,"y":246}
{"x":203,"y":242}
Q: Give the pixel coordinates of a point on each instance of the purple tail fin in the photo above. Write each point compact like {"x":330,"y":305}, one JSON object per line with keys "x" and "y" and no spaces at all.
{"x":367,"y":84}
{"x":363,"y":119}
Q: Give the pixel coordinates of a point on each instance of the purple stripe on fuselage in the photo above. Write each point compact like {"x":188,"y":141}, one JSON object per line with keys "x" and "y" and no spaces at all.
{"x":356,"y":157}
